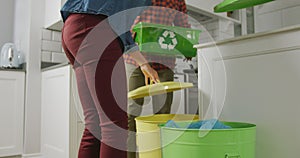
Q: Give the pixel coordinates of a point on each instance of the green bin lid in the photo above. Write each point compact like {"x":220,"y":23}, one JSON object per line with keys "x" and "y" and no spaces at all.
{"x":230,"y":5}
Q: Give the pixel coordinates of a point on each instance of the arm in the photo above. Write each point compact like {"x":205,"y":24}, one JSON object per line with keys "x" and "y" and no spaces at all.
{"x":148,"y":71}
{"x":121,"y":24}
{"x":137,"y":20}
{"x":133,"y":50}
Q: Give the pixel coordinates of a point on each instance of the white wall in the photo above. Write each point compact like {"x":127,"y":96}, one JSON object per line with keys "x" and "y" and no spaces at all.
{"x":7,"y":21}
{"x":214,"y":30}
{"x":29,"y":19}
{"x":206,"y":5}
{"x":22,"y":24}
{"x":276,"y":15}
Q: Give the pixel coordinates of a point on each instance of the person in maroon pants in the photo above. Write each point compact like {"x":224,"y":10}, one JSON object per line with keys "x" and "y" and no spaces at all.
{"x":95,"y":52}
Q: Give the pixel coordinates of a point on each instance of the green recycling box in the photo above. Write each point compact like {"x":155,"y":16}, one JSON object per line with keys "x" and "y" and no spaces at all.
{"x":166,"y":40}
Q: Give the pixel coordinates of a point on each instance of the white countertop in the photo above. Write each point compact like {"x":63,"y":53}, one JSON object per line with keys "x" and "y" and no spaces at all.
{"x":55,"y":66}
{"x":246,"y":37}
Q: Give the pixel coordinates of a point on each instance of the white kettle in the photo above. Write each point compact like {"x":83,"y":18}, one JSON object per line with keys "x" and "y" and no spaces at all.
{"x":9,"y":57}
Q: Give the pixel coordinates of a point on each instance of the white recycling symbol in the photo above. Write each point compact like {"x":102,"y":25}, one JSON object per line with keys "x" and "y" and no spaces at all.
{"x":162,"y":39}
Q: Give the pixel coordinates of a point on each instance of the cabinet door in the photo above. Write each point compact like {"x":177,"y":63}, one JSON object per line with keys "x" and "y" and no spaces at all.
{"x":256,"y":80}
{"x":76,"y":117}
{"x":11,"y":112}
{"x":55,"y":113}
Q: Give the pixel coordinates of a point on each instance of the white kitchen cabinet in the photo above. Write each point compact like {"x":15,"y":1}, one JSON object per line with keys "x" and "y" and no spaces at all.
{"x":61,"y":125}
{"x":255,"y":79}
{"x":53,"y":18}
{"x":12,"y":90}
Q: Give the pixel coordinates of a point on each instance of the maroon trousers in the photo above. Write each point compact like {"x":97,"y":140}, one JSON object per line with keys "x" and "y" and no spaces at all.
{"x":96,"y":55}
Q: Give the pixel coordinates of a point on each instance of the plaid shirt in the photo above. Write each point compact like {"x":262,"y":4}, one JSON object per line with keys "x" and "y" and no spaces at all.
{"x":166,"y":12}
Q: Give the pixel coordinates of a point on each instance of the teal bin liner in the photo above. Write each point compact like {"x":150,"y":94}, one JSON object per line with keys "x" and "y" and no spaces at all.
{"x":166,"y":40}
{"x":237,"y":142}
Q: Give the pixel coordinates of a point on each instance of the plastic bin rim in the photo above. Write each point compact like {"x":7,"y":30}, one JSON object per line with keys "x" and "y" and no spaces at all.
{"x":144,"y":118}
{"x":251,"y":126}
{"x":144,"y":24}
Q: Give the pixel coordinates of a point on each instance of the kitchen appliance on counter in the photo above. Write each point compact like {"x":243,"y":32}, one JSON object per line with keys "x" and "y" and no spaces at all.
{"x":9,"y":57}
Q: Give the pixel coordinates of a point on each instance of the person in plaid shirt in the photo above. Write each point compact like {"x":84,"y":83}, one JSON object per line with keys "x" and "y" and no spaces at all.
{"x":166,"y":12}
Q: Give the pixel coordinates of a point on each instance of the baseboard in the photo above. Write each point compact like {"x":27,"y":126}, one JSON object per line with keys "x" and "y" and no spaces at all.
{"x":35,"y":155}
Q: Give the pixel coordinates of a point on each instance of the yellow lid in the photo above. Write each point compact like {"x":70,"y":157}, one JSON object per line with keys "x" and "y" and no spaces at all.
{"x":158,"y":88}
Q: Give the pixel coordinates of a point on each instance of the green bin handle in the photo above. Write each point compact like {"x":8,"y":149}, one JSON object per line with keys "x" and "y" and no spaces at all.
{"x":232,"y":155}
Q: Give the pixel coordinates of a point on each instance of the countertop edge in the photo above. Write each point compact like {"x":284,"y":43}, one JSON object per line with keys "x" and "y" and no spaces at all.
{"x":13,"y":70}
{"x":246,"y":37}
{"x":22,"y":68}
{"x":55,"y":66}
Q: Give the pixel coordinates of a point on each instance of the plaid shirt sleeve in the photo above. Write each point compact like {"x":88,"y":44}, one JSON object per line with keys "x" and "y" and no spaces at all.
{"x":136,"y":21}
{"x":181,"y":18}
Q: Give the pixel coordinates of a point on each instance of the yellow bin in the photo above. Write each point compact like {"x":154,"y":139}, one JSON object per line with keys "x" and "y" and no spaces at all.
{"x":148,"y":132}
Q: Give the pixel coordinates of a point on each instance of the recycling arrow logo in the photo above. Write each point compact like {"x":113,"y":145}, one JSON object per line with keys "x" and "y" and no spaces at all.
{"x":168,"y":40}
